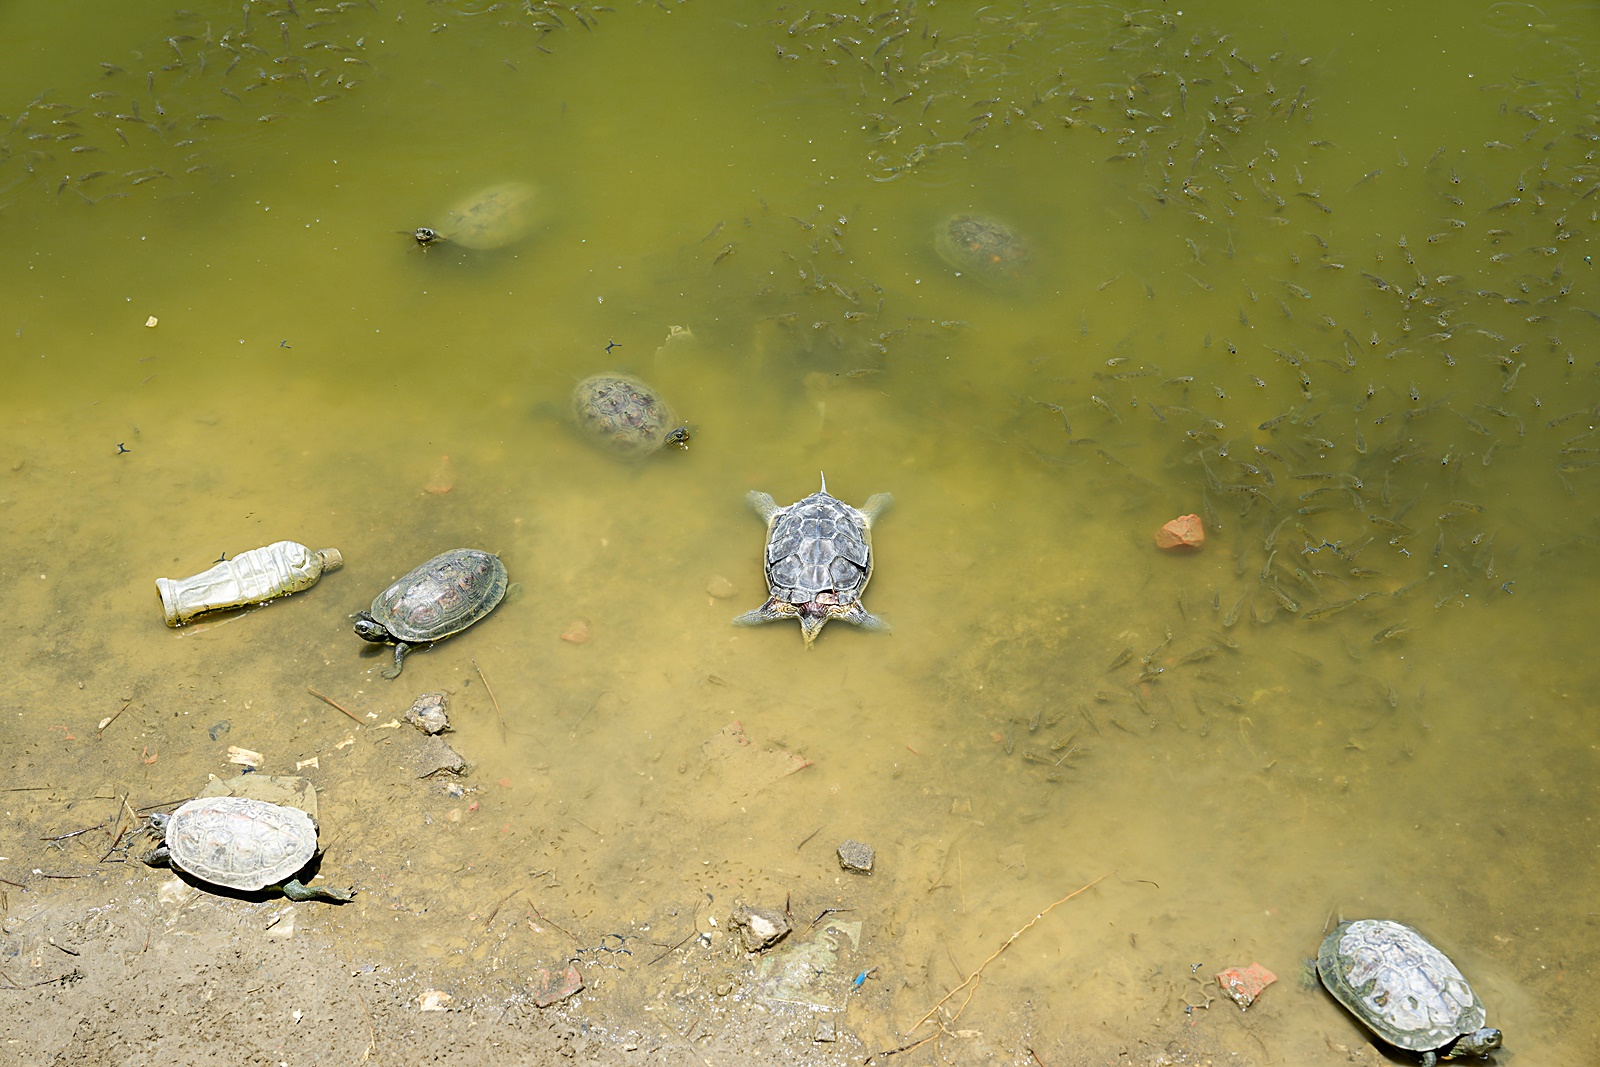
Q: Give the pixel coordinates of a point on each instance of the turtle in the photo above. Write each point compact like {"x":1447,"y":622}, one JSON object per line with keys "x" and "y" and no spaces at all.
{"x":626,"y":416}
{"x":244,"y":844}
{"x":491,"y":218}
{"x":981,"y":247}
{"x":818,"y":561}
{"x":444,"y":596}
{"x":1404,"y":990}
{"x":495,"y":217}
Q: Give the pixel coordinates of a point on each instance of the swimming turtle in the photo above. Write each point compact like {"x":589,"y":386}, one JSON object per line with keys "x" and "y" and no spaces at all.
{"x":818,"y":561}
{"x":1405,"y":990}
{"x":496,"y":217}
{"x":982,"y":247}
{"x":625,"y":416}
{"x":243,"y":844}
{"x":444,"y":596}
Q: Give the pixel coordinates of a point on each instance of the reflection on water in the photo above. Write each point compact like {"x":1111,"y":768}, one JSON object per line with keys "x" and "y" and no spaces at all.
{"x":1355,"y":335}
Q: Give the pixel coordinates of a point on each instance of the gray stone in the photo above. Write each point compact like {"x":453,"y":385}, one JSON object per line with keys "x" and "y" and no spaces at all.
{"x":436,"y":757}
{"x":854,"y":856}
{"x":759,"y":928}
{"x":427,"y":713}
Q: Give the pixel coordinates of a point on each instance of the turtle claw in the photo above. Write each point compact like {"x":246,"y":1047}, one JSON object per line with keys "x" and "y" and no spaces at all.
{"x":393,"y":672}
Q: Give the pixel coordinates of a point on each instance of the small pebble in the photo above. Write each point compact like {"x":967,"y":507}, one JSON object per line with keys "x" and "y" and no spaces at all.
{"x":577,"y":633}
{"x":427,"y":713}
{"x":855,"y":856}
{"x":720,"y":587}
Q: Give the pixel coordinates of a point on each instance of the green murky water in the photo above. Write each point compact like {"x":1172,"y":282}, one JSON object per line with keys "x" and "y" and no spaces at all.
{"x":1324,"y":280}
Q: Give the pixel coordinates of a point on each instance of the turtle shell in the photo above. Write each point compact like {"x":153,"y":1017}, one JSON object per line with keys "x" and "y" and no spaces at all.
{"x":1398,"y":984}
{"x":240,"y":843}
{"x":495,"y":217}
{"x":624,"y":415}
{"x":982,"y":247}
{"x":443,"y":596}
{"x":818,"y":546}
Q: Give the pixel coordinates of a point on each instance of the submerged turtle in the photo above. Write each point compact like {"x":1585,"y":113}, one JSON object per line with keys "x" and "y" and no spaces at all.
{"x":243,"y":844}
{"x":444,"y":596}
{"x":818,"y":561}
{"x":1405,"y":990}
{"x":496,"y":217}
{"x":624,"y":415}
{"x":982,"y":247}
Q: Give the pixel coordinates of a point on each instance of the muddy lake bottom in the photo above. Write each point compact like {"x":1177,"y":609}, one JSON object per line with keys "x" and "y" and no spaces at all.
{"x":1052,"y":275}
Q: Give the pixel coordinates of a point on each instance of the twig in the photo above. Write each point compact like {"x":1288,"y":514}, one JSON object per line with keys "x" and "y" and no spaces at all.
{"x":903,"y":1048}
{"x":489,"y":919}
{"x":372,"y":1036}
{"x":488,"y":689}
{"x":690,"y":936}
{"x":808,"y":837}
{"x":75,"y":833}
{"x":331,"y":703}
{"x":541,"y":918}
{"x":101,"y":729}
{"x":19,"y":885}
{"x":975,"y":974}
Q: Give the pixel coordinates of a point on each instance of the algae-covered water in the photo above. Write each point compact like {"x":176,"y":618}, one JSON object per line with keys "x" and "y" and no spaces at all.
{"x":1321,"y":276}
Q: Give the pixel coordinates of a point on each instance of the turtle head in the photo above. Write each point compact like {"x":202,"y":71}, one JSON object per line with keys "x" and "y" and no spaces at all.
{"x":369,"y":629}
{"x":1480,"y":1042}
{"x":679,"y":437}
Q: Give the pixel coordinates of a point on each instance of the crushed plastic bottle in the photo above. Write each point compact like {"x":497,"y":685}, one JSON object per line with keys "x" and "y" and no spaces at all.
{"x":248,"y":578}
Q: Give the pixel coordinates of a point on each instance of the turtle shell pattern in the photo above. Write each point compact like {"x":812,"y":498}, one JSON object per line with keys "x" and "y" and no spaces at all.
{"x":1396,"y":982}
{"x":623,"y":414}
{"x":818,"y":549}
{"x":492,"y":218}
{"x":982,"y":247}
{"x":443,"y":596}
{"x":240,"y":843}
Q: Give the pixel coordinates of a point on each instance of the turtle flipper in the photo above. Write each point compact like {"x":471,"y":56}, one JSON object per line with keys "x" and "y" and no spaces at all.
{"x":863,"y":618}
{"x":771,"y":611}
{"x":876,"y":505}
{"x":158,"y":857}
{"x":297,"y":890}
{"x":765,"y":506}
{"x":400,"y":650}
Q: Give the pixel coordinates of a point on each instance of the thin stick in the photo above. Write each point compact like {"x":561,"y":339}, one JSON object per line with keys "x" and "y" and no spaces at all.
{"x":75,"y":833}
{"x":372,"y":1036}
{"x":489,"y":919}
{"x":488,"y":689}
{"x":19,"y":885}
{"x":100,"y":731}
{"x":974,"y":975}
{"x":690,"y":936}
{"x":333,"y":704}
{"x":535,"y":908}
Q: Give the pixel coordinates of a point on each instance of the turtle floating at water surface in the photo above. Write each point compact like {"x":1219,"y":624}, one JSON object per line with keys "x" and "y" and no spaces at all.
{"x":625,"y":416}
{"x":1404,"y":990}
{"x":982,"y":247}
{"x":496,"y":217}
{"x":818,"y":561}
{"x":431,"y":602}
